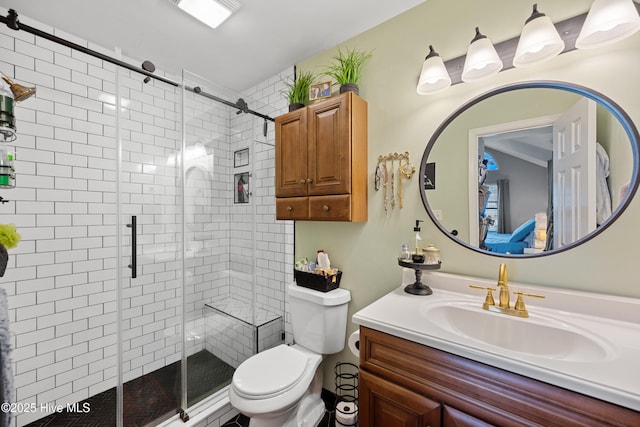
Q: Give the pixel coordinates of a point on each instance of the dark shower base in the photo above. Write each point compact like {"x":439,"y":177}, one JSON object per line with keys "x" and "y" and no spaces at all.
{"x":149,"y":398}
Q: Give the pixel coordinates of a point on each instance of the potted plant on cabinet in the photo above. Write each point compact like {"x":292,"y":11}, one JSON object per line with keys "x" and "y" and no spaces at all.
{"x":9,"y":239}
{"x":347,"y":68}
{"x":297,"y":93}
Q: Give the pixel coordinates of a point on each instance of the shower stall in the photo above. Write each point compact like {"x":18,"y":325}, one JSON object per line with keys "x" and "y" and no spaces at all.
{"x":190,"y":185}
{"x":151,"y":264}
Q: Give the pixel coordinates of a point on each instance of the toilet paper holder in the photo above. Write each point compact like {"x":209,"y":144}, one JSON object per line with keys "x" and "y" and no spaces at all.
{"x":354,"y":343}
{"x":346,"y":381}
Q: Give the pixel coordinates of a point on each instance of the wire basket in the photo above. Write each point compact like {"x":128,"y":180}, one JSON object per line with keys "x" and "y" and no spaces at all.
{"x":346,"y":378}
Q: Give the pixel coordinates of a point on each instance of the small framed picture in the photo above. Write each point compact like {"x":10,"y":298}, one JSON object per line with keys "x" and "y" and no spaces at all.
{"x":319,"y":90}
{"x":241,"y":192}
{"x":241,"y":158}
{"x":430,"y":176}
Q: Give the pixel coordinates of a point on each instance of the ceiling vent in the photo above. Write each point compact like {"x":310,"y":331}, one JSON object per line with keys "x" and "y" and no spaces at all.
{"x":210,"y":12}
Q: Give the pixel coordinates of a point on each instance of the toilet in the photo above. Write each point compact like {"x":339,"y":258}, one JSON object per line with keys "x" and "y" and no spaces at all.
{"x":281,"y":387}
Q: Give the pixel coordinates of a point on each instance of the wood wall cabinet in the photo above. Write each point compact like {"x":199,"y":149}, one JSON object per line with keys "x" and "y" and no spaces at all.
{"x":321,"y":161}
{"x":409,"y":384}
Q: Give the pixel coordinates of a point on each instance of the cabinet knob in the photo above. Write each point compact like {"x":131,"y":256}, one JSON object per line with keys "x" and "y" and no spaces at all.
{"x":325,"y":208}
{"x":289,"y":208}
{"x":302,"y":181}
{"x":309,"y":180}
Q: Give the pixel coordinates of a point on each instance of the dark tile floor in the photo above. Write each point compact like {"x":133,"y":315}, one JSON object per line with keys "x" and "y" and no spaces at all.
{"x":150,"y":398}
{"x":154,"y":397}
{"x":242,"y":421}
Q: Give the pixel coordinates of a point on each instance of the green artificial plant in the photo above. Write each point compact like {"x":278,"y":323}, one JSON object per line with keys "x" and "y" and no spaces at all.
{"x":347,"y":67}
{"x":298,"y":91}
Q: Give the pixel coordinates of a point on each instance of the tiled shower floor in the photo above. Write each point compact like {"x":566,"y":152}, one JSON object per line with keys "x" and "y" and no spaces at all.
{"x":151,"y":397}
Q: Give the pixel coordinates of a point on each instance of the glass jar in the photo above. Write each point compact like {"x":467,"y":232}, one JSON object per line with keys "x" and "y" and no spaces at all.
{"x":431,"y":255}
{"x":405,"y":255}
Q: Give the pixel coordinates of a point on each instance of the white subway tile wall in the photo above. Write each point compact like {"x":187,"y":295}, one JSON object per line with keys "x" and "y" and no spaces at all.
{"x":61,"y":279}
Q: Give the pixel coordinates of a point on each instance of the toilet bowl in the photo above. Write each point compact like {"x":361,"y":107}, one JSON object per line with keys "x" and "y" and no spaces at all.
{"x":270,"y":387}
{"x":281,"y":387}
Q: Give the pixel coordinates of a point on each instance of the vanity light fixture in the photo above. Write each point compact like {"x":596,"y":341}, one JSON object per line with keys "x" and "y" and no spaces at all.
{"x":608,"y":21}
{"x":210,"y":12}
{"x":538,"y":42}
{"x":434,"y":76}
{"x":482,"y":59}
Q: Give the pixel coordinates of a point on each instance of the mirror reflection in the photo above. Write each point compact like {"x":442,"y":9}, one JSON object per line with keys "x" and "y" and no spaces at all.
{"x":530,"y":169}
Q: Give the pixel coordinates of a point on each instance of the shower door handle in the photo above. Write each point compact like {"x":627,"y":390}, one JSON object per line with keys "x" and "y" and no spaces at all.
{"x":134,"y":244}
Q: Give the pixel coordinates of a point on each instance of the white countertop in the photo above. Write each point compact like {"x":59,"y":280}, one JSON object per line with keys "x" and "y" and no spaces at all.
{"x":613,"y":321}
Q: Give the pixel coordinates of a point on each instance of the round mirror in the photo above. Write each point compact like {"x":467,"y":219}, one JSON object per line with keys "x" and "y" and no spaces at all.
{"x":530,"y":169}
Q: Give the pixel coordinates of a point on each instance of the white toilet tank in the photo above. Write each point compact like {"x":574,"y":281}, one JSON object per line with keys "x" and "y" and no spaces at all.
{"x":319,"y":319}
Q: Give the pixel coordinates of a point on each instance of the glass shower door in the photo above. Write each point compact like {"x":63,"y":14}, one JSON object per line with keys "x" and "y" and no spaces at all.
{"x":151,"y":226}
{"x":228,"y":315}
{"x":208,"y":208}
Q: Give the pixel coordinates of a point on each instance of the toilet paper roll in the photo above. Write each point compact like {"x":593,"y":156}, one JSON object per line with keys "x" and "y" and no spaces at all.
{"x":346,"y":414}
{"x":354,"y":343}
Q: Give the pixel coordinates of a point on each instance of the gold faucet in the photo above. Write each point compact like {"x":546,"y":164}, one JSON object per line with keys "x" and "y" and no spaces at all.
{"x":504,"y":305}
{"x":503,"y":285}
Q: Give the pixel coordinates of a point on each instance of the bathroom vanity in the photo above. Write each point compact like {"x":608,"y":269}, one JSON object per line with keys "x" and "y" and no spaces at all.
{"x":424,"y":360}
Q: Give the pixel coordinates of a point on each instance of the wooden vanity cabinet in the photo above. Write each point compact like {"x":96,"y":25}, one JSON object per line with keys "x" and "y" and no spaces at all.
{"x":409,"y":384}
{"x":321,"y":161}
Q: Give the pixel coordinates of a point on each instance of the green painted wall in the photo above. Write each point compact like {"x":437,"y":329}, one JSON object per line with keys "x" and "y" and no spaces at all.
{"x":400,"y":120}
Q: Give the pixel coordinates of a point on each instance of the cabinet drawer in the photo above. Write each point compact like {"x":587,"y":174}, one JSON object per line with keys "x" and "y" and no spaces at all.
{"x":292,"y":208}
{"x":330,"y":208}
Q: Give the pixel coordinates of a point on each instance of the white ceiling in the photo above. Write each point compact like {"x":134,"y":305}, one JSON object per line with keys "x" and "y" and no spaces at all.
{"x":534,"y":145}
{"x":261,"y":39}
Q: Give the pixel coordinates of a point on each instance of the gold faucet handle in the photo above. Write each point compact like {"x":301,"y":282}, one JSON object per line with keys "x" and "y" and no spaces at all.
{"x":520,"y":301}
{"x":489,"y":298}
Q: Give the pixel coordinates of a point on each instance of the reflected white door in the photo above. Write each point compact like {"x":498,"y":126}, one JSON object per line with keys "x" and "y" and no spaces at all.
{"x":574,"y":178}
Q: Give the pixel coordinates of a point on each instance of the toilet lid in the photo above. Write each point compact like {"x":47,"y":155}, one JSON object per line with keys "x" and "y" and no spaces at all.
{"x":271,"y":372}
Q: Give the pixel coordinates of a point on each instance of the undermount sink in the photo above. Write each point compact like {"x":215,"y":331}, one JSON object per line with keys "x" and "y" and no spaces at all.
{"x":537,"y":336}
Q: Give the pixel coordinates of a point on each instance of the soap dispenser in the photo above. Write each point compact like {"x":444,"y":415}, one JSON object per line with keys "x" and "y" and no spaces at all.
{"x":417,"y":255}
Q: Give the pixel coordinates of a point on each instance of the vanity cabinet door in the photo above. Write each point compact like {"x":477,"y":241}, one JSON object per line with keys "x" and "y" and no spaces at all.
{"x":384,"y":404}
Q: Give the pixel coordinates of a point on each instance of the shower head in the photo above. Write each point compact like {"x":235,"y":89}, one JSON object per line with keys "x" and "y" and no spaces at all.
{"x":148,"y":66}
{"x":20,"y":93}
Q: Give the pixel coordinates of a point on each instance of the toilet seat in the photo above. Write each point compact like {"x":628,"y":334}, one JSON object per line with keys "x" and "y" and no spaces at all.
{"x":270,"y":373}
